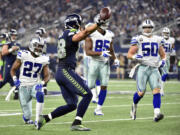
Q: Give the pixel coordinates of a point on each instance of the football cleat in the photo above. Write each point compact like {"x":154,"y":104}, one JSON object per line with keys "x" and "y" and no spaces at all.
{"x":133,"y":111}
{"x":158,"y":117}
{"x":27,"y":121}
{"x":79,"y":128}
{"x":98,"y":112}
{"x":40,"y":123}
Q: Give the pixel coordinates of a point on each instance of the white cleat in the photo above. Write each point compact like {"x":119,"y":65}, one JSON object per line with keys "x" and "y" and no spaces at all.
{"x":133,"y":111}
{"x":98,"y":112}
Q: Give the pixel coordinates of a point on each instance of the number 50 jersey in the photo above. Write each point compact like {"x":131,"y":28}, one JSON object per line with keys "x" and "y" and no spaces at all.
{"x":148,"y":47}
{"x":31,"y":67}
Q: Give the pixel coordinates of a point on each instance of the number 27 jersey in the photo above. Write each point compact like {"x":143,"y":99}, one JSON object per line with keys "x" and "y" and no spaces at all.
{"x":148,"y":47}
{"x":31,"y":67}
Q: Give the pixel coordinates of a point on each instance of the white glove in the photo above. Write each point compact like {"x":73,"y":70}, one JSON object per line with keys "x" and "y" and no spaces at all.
{"x":116,"y":62}
{"x":137,"y":57}
{"x":98,"y":20}
{"x":106,"y":54}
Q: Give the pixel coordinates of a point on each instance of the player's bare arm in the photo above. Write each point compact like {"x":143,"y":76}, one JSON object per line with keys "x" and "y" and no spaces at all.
{"x":132,"y":51}
{"x":162,"y":52}
{"x":46,"y":73}
{"x":6,"y":51}
{"x":15,"y":67}
{"x":84,"y":33}
{"x":88,"y":48}
{"x":113,"y":56}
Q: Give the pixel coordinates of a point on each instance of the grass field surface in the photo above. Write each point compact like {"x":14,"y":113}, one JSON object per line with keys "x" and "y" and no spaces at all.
{"x":116,"y":120}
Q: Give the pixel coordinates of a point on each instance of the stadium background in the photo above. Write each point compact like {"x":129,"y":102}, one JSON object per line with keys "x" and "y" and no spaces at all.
{"x":26,"y":16}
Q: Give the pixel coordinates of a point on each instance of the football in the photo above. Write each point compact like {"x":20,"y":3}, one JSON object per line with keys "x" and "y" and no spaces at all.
{"x":105,"y":13}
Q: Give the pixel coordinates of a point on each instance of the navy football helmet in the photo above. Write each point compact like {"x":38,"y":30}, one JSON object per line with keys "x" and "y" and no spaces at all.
{"x":73,"y":21}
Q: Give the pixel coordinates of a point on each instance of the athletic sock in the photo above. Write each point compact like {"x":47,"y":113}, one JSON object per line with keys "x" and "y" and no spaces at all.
{"x":136,"y":98}
{"x":102,"y":97}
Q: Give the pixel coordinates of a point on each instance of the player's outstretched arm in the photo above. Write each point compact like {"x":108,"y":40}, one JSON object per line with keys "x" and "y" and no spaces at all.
{"x":84,"y":33}
{"x":46,"y":74}
{"x":15,"y":67}
{"x":88,"y":48}
{"x":6,"y":51}
{"x":132,"y":51}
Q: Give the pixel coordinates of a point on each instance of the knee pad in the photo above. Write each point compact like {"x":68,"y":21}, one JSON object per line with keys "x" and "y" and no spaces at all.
{"x":164,"y":77}
{"x":40,"y":97}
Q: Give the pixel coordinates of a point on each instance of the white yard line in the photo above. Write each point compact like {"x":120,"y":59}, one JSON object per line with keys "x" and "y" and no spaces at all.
{"x":93,"y":106}
{"x":94,"y":121}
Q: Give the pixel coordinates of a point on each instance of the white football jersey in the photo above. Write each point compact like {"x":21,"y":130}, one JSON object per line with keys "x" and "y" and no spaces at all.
{"x":31,"y":67}
{"x":101,"y":43}
{"x":168,"y":46}
{"x":148,"y":48}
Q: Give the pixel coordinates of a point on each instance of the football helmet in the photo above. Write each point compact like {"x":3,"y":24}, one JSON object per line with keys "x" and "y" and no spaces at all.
{"x":13,"y":35}
{"x":73,"y":21}
{"x":148,"y":24}
{"x":36,"y":46}
{"x":166,"y":32}
{"x":41,"y":31}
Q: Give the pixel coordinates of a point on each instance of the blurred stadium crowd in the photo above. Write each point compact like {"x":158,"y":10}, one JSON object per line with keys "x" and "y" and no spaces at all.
{"x":26,"y":16}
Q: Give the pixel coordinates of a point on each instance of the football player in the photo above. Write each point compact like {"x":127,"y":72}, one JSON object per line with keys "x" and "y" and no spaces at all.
{"x":71,"y":83}
{"x":31,"y":63}
{"x":3,"y":38}
{"x":99,"y":46}
{"x":147,"y":48}
{"x":169,"y":48}
{"x":9,"y":52}
{"x":41,"y":32}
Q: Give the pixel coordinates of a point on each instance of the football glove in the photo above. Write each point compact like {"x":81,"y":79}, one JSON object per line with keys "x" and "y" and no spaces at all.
{"x":16,"y":81}
{"x":116,"y":62}
{"x":162,"y":63}
{"x":106,"y":54}
{"x":137,"y":57}
{"x":38,"y":87}
{"x":98,"y":20}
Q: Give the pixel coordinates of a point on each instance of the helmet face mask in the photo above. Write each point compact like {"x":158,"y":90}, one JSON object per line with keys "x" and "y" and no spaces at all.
{"x":36,"y":46}
{"x":147,"y":27}
{"x":73,"y":21}
{"x":166,"y":33}
{"x":13,"y":35}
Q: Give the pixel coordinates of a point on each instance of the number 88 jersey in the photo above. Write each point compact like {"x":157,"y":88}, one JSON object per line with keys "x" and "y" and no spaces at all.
{"x":31,"y":67}
{"x":148,"y":47}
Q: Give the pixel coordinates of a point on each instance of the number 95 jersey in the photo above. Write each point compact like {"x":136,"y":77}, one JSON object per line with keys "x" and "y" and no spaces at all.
{"x":101,"y":43}
{"x":148,"y":47}
{"x":31,"y":67}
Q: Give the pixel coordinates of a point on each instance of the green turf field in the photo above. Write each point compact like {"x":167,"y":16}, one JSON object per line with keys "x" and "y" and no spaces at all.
{"x":116,"y":120}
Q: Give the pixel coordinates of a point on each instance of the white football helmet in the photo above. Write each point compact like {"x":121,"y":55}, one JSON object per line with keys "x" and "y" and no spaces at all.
{"x":166,"y":32}
{"x":36,"y":46}
{"x":148,"y":24}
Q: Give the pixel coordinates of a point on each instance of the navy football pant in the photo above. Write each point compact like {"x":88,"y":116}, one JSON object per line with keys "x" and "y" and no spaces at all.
{"x":71,"y":85}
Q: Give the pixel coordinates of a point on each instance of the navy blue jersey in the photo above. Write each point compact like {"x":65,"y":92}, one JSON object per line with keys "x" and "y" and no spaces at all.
{"x":11,"y":57}
{"x":67,"y":49}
